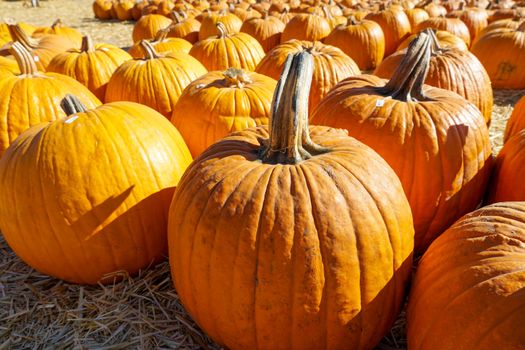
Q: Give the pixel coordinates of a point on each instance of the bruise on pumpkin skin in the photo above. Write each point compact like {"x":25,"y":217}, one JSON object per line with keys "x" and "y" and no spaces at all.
{"x":505,"y":70}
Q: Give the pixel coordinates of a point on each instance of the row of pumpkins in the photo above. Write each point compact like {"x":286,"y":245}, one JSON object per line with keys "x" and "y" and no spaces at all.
{"x":280,"y":234}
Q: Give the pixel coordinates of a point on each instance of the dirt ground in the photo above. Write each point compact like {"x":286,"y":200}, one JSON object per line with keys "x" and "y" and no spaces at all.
{"x":139,"y":313}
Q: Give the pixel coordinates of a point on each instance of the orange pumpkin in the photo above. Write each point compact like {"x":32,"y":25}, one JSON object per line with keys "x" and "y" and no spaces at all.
{"x":267,"y":30}
{"x":92,"y":65}
{"x":59,"y":28}
{"x":184,"y":27}
{"x":103,"y":9}
{"x":123,"y":9}
{"x":305,"y":26}
{"x":148,"y":26}
{"x":209,"y":29}
{"x":395,"y":26}
{"x":8,"y":65}
{"x":221,"y":102}
{"x":451,"y":25}
{"x":33,"y":97}
{"x":475,"y":19}
{"x":363,"y":41}
{"x":416,"y":16}
{"x":502,"y":53}
{"x":238,"y":50}
{"x":468,"y":289}
{"x":436,"y":141}
{"x":291,"y":236}
{"x":331,"y":65}
{"x":516,"y":121}
{"x":101,"y":182}
{"x":162,"y":44}
{"x":444,"y":38}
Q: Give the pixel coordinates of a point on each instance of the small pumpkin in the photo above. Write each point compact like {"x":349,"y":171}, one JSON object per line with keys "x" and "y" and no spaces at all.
{"x":516,"y":121}
{"x":184,"y":27}
{"x":436,"y":141}
{"x":123,"y":9}
{"x":98,"y":186}
{"x":59,"y":28}
{"x":221,"y":102}
{"x":103,"y":9}
{"x":92,"y":65}
{"x":363,"y":41}
{"x":237,"y":50}
{"x":468,"y":288}
{"x":148,"y":26}
{"x":302,"y":231}
{"x":267,"y":30}
{"x":305,"y":26}
{"x":156,"y":81}
{"x":162,"y":44}
{"x":33,"y":97}
{"x":209,"y":29}
{"x":395,"y":26}
{"x":331,"y":65}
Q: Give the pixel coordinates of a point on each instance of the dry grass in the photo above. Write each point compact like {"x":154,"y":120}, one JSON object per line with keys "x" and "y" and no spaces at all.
{"x":141,"y":312}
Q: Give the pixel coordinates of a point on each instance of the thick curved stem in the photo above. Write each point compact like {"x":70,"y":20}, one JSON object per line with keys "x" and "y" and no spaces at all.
{"x":236,"y":77}
{"x":223,"y":31}
{"x":18,"y":34}
{"x":289,"y":141}
{"x":71,"y":105}
{"x":57,"y":24}
{"x":149,"y":50}
{"x":162,"y":34}
{"x":25,"y":60}
{"x":87,"y":44}
{"x":407,"y":81}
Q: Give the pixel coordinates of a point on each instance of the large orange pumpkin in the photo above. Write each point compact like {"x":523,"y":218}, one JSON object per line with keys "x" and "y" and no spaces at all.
{"x":162,"y":44}
{"x":469,"y":287}
{"x":451,"y":25}
{"x":221,"y":102}
{"x":33,"y":97}
{"x":363,"y":41}
{"x":8,"y":65}
{"x":209,"y":28}
{"x":436,"y":141}
{"x":416,"y":16}
{"x":184,"y":27}
{"x":156,"y":81}
{"x":238,"y":50}
{"x":331,"y":65}
{"x":290,"y":237}
{"x":306,"y":26}
{"x":96,"y":187}
{"x":92,"y":65}
{"x":267,"y":30}
{"x":395,"y":26}
{"x":516,"y":121}
{"x":148,"y":26}
{"x":475,"y":19}
{"x":444,"y":38}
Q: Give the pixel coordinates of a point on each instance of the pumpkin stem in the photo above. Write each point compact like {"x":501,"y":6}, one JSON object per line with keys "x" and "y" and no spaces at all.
{"x":436,"y":47}
{"x":289,"y":141}
{"x":236,"y":77}
{"x":18,"y":34}
{"x":149,"y":50}
{"x":162,"y":34}
{"x":223,"y":31}
{"x":57,"y":24}
{"x":351,"y":21}
{"x":176,"y":17}
{"x":25,"y":60}
{"x":407,"y":81}
{"x":87,"y":44}
{"x":71,"y":105}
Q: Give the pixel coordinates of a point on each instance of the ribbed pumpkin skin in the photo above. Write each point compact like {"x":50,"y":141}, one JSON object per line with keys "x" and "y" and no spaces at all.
{"x":453,"y":70}
{"x":451,"y":25}
{"x":59,"y":29}
{"x":469,"y":287}
{"x":475,"y":19}
{"x":439,"y":148}
{"x":238,"y":50}
{"x":187,"y":29}
{"x":331,"y":65}
{"x":97,"y":190}
{"x":211,"y":107}
{"x":363,"y":41}
{"x":395,"y":26}
{"x":208,"y":26}
{"x":305,"y":26}
{"x":156,"y":82}
{"x":445,"y":39}
{"x":502,"y":53}
{"x":27,"y":100}
{"x":168,"y":45}
{"x":416,"y":16}
{"x":147,"y":26}
{"x":507,"y":183}
{"x":308,"y":256}
{"x":516,"y":121}
{"x":8,"y":65}
{"x":93,"y":69}
{"x":266,"y":30}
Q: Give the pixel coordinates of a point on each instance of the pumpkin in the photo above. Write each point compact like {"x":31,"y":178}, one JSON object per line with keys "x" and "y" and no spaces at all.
{"x":221,"y":102}
{"x":304,"y":26}
{"x":468,"y":289}
{"x":267,"y":30}
{"x":331,"y":65}
{"x":148,"y":26}
{"x":435,"y":140}
{"x":504,"y":13}
{"x":139,"y":8}
{"x":156,"y":81}
{"x":453,"y":70}
{"x":162,"y":44}
{"x":59,"y":28}
{"x":123,"y":9}
{"x":444,"y":38}
{"x":245,"y":14}
{"x":33,"y":97}
{"x":184,"y":27}
{"x":502,"y":53}
{"x":290,"y":236}
{"x":285,"y":16}
{"x":435,"y":10}
{"x":44,"y":48}
{"x":98,"y":187}
{"x":516,"y":121}
{"x":513,"y":23}
{"x":102,"y":9}
{"x":395,"y":26}
{"x":475,"y":19}
{"x":416,"y":16}
{"x":509,"y":171}
{"x":363,"y":41}
{"x":92,"y":65}
{"x":451,"y":25}
{"x":8,"y":65}
{"x":209,"y":29}
{"x":238,"y":50}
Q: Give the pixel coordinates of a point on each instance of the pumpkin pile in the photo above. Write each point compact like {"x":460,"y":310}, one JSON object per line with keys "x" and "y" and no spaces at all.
{"x":289,"y":158}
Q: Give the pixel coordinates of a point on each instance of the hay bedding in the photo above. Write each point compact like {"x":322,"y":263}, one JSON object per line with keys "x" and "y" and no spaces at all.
{"x":144,"y":312}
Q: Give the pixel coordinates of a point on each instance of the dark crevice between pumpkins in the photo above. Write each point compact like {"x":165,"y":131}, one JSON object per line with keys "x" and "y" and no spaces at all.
{"x":289,"y":141}
{"x":408,"y":79}
{"x":70,"y":104}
